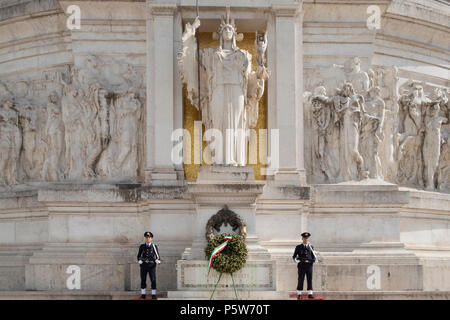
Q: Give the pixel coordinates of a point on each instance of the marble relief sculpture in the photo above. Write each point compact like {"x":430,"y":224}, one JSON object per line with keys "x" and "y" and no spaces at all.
{"x":109,"y":121}
{"x":120,"y":156}
{"x":69,"y":123}
{"x":86,"y":125}
{"x":345,"y":111}
{"x":421,"y":137}
{"x":229,"y":89}
{"x":380,"y":134}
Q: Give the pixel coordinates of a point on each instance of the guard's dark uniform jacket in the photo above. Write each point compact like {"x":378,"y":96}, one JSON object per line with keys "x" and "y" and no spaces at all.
{"x":305,"y":266}
{"x":148,"y":254}
{"x":304,"y":253}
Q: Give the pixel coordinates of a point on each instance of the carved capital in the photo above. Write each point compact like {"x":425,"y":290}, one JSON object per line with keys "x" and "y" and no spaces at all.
{"x":287,"y":9}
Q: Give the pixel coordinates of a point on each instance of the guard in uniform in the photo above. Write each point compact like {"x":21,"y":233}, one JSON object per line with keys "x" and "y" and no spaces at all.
{"x":148,"y":258}
{"x":305,"y":256}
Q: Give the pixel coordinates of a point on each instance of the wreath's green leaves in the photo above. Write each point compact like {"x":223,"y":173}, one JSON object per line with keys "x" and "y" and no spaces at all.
{"x":232,"y":258}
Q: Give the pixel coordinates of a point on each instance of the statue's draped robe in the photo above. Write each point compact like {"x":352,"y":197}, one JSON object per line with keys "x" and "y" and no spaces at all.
{"x":227,"y":73}
{"x":348,"y":111}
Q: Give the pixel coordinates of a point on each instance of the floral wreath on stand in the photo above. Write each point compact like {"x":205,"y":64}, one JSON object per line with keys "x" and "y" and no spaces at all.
{"x":227,"y":253}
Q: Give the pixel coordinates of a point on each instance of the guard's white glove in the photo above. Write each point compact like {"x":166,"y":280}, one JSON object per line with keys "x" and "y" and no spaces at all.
{"x":140,"y":262}
{"x":296,"y":260}
{"x":158,"y":261}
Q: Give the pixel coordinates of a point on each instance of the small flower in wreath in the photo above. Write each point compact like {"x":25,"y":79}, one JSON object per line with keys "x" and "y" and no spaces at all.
{"x":231,"y":257}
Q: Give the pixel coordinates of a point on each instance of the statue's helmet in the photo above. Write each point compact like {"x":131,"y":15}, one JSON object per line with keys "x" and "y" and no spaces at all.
{"x":227,"y":31}
{"x":227,"y":25}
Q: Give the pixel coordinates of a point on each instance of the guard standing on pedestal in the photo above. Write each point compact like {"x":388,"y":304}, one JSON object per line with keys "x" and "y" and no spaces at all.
{"x":305,"y":256}
{"x":148,"y":258}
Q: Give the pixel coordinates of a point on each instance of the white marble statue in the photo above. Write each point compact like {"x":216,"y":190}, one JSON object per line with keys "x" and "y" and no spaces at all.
{"x":402,"y":139}
{"x":358,"y":78}
{"x":323,"y":115}
{"x":444,"y":167}
{"x":410,"y":160}
{"x":432,"y":145}
{"x":387,"y":79}
{"x":73,"y":126}
{"x":349,"y":108}
{"x":32,"y":155}
{"x":229,"y":90}
{"x":341,"y":114}
{"x":82,"y":131}
{"x":54,"y":141}
{"x":371,"y":133}
{"x":10,"y":143}
{"x":128,"y":115}
{"x":352,"y":73}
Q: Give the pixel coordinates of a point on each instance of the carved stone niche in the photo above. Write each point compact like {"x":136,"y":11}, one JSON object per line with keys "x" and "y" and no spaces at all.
{"x":227,"y":217}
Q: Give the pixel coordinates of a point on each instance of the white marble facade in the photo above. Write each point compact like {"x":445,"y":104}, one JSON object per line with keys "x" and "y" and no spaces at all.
{"x":86,"y":119}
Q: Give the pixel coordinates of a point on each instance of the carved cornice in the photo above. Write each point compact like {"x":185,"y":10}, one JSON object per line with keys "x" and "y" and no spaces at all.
{"x":162,"y":8}
{"x":232,"y":193}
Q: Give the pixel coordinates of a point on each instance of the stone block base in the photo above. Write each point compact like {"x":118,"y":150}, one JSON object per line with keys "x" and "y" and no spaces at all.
{"x":228,"y":295}
{"x":192,"y":275}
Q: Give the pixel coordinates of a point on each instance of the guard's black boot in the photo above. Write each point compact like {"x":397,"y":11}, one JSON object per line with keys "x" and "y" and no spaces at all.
{"x":310,"y":296}
{"x":299,"y":297}
{"x":143,"y":296}
{"x":154,"y":297}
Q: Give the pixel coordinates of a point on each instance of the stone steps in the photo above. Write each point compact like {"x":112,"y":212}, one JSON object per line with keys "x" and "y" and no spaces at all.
{"x":204,"y":295}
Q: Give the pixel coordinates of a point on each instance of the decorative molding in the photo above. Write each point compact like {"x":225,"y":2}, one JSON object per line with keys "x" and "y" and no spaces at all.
{"x":287,"y":9}
{"x":162,"y":8}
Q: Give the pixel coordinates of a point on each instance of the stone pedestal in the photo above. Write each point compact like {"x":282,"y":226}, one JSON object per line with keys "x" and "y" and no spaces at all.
{"x":358,"y":227}
{"x":256,"y":275}
{"x":99,"y":229}
{"x":215,"y":187}
{"x":256,"y":280}
{"x":235,"y":187}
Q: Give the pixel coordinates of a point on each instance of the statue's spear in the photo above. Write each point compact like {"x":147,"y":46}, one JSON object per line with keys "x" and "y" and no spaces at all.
{"x":198,"y":61}
{"x":197,"y":35}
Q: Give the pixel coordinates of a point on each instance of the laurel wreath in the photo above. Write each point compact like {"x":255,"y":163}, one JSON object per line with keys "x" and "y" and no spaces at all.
{"x":230,"y":259}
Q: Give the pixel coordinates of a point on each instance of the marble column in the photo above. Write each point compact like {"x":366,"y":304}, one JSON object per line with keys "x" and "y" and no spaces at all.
{"x":161,"y":100}
{"x":288,"y":84}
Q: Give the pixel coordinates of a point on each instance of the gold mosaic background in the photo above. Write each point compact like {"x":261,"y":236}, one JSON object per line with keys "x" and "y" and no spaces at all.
{"x":190,"y":113}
